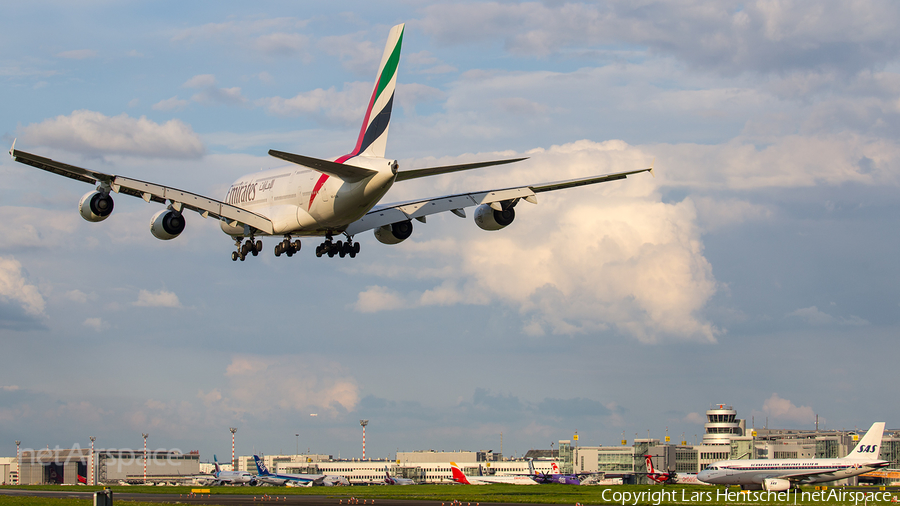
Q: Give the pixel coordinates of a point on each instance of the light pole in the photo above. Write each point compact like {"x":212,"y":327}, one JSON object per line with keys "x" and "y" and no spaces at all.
{"x":233,"y":464}
{"x":364,"y":423}
{"x":18,"y":464}
{"x":93,"y":477}
{"x":298,"y":443}
{"x":145,"y":456}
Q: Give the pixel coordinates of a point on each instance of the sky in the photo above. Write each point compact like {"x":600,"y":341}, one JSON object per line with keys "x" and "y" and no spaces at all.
{"x":756,"y":269}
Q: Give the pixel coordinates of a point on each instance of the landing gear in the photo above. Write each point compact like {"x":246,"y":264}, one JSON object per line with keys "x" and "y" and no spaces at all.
{"x":339,"y":248}
{"x":251,"y":247}
{"x":287,"y":247}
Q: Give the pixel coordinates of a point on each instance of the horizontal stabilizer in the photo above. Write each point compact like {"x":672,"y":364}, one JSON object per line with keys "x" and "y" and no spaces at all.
{"x":434,"y":171}
{"x":348,"y":173}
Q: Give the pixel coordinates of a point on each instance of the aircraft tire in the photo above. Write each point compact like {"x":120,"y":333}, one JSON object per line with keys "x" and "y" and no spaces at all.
{"x":258,"y":245}
{"x":356,"y":249}
{"x":234,"y":256}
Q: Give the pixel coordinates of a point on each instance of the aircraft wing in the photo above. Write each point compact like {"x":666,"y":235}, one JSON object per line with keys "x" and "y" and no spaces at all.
{"x":403,"y":211}
{"x":149,"y":191}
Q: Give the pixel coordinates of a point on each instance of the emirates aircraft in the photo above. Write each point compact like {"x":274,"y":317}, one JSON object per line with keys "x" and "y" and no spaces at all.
{"x":778,"y":475}
{"x":313,"y":197}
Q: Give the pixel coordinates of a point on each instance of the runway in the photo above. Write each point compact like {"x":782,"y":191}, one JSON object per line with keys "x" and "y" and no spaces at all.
{"x":246,"y":500}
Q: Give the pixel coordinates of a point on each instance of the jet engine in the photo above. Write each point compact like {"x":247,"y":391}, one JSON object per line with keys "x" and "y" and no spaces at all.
{"x":95,"y":206}
{"x":776,"y":485}
{"x":487,"y":218}
{"x":167,"y":224}
{"x":395,"y":233}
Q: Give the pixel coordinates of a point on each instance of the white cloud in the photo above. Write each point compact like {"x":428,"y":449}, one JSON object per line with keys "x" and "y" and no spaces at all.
{"x":98,"y":324}
{"x":78,"y":54}
{"x":170,"y":104}
{"x":9,"y":388}
{"x":714,"y":214}
{"x":159,"y":298}
{"x":695,"y":418}
{"x":292,"y":383}
{"x":378,"y":298}
{"x":16,"y":290}
{"x":77,"y":296}
{"x":36,"y":227}
{"x":94,"y":134}
{"x":782,"y":409}
{"x":585,"y":259}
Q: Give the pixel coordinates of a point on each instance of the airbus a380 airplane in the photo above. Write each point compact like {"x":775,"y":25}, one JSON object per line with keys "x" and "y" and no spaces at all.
{"x":779,"y":474}
{"x":315,"y":197}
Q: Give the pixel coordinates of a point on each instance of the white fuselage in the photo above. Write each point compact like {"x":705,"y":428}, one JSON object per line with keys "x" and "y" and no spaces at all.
{"x":755,"y":471}
{"x":304,"y":202}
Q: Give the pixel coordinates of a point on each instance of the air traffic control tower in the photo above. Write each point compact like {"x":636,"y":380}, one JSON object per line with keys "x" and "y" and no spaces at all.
{"x":722,"y":425}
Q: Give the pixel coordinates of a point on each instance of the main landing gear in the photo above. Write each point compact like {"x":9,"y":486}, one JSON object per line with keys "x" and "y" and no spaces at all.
{"x":287,"y":247}
{"x":251,"y":246}
{"x":338,"y":248}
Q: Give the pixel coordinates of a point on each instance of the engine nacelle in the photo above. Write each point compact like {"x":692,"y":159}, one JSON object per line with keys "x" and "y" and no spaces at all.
{"x":167,"y":224}
{"x":487,"y":218}
{"x":95,"y":206}
{"x":776,"y":485}
{"x":395,"y":233}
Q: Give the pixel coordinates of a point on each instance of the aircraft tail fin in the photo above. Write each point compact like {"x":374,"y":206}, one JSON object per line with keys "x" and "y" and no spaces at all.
{"x":649,"y":464}
{"x":372,"y":139}
{"x":554,"y":468}
{"x":458,"y":475}
{"x":531,"y":467}
{"x":260,"y":466}
{"x":870,"y":444}
{"x":216,"y":461}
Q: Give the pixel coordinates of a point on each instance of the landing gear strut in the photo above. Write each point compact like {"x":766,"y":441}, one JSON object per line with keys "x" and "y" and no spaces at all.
{"x":250,"y":247}
{"x":287,"y":247}
{"x":340,"y":248}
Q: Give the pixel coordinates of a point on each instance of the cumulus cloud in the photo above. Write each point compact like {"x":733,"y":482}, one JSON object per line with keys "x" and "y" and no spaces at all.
{"x":95,"y":134}
{"x":14,"y":289}
{"x":782,"y":409}
{"x":292,"y":384}
{"x":608,"y":256}
{"x":97,"y":324}
{"x":282,"y":44}
{"x":159,"y":298}
{"x":378,"y":298}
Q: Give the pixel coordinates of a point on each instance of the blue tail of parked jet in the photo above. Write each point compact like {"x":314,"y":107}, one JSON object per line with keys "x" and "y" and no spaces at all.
{"x":261,"y":466}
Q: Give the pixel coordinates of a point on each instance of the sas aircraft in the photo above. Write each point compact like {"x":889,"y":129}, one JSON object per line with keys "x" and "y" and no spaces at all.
{"x":778,"y":475}
{"x":312,"y":197}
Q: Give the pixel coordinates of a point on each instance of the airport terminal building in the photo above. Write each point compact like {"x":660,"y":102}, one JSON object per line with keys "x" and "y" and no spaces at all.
{"x":725,"y":437}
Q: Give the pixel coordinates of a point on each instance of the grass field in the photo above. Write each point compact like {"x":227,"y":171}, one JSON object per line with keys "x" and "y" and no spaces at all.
{"x":623,"y":495}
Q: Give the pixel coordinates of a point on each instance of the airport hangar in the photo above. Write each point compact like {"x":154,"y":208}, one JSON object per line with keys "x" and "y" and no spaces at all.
{"x":725,"y":437}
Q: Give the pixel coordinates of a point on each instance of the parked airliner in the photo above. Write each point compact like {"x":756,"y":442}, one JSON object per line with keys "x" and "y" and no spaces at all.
{"x":221,"y":477}
{"x":780,"y":474}
{"x":316,"y":197}
{"x":305,"y":480}
{"x":460,"y":477}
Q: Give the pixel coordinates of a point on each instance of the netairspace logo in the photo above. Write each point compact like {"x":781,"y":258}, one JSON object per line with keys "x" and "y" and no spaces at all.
{"x":724,"y":496}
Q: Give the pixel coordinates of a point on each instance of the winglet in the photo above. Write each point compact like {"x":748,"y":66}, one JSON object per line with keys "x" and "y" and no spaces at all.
{"x":12,"y":149}
{"x":651,"y":167}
